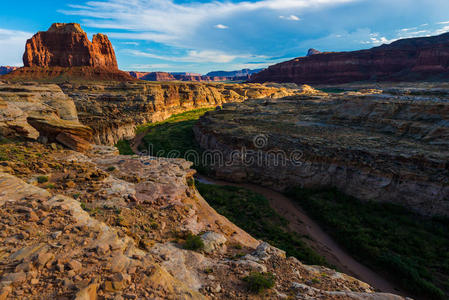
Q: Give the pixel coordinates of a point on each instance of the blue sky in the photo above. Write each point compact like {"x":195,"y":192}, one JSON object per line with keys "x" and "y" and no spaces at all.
{"x":201,"y":36}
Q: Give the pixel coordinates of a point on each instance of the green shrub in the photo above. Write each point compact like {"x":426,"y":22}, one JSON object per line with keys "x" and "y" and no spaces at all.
{"x":42,"y":179}
{"x":84,"y":206}
{"x":259,"y":282}
{"x":124,"y":148}
{"x":111,"y":169}
{"x":193,"y":242}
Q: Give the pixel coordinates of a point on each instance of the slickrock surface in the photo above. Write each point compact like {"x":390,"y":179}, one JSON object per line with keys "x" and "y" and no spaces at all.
{"x":412,"y":59}
{"x":113,"y":227}
{"x":380,"y":147}
{"x":64,"y":50}
{"x":41,"y":111}
{"x":114,"y":110}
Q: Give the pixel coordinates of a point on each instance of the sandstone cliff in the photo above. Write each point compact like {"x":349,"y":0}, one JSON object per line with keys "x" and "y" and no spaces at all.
{"x":114,"y":110}
{"x":390,"y":148}
{"x":64,"y":51}
{"x":404,"y":60}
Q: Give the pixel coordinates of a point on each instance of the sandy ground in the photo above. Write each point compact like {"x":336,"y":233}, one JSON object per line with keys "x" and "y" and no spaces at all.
{"x":319,"y":240}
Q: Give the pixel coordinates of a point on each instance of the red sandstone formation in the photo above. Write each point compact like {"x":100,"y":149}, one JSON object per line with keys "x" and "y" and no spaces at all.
{"x":65,"y":51}
{"x":67,"y":45}
{"x":404,"y":60}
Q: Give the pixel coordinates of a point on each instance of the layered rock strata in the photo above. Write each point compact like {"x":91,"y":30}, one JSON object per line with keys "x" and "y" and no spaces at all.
{"x":412,"y":59}
{"x":114,"y":110}
{"x":39,"y":111}
{"x":377,"y":147}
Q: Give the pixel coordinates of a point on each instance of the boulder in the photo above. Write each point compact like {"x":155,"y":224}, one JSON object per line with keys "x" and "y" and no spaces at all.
{"x":213,"y":242}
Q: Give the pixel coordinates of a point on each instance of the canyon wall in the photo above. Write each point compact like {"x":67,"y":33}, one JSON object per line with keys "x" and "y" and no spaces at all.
{"x":114,"y":110}
{"x":376,"y":147}
{"x":404,"y":60}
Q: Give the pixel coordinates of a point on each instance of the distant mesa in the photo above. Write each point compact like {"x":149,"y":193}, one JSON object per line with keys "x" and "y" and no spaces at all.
{"x":215,"y":76}
{"x":7,"y":69}
{"x":312,"y":52}
{"x":414,"y":59}
{"x":64,"y":50}
{"x":239,"y":73}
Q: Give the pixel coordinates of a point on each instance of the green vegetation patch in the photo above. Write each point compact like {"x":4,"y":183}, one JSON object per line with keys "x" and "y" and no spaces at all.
{"x":387,"y":237}
{"x":174,"y":138}
{"x":252,"y":212}
{"x":42,"y":179}
{"x":124,"y":148}
{"x":259,"y":282}
{"x":194,"y":242}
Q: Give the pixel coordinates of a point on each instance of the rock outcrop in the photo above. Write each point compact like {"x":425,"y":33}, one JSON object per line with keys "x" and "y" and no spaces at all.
{"x":44,"y":112}
{"x":65,"y":50}
{"x":114,"y":227}
{"x":114,"y":110}
{"x":404,"y":60}
{"x":378,"y":147}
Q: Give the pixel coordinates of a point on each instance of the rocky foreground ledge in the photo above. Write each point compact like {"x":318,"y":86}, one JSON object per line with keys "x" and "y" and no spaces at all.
{"x":102,"y":225}
{"x":370,"y":145}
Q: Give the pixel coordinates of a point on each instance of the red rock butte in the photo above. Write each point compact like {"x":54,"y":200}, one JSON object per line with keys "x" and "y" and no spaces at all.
{"x":64,"y":50}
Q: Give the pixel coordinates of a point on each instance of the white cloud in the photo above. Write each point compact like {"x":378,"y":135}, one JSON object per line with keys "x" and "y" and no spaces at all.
{"x":290,"y":18}
{"x":441,"y":30}
{"x":12,"y":46}
{"x":174,"y":24}
{"x":442,"y":23}
{"x":221,"y":26}
{"x":197,"y":56}
{"x":131,"y":43}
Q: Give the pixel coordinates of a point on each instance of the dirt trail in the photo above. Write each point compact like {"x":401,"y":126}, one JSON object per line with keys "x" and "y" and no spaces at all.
{"x":320,"y":241}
